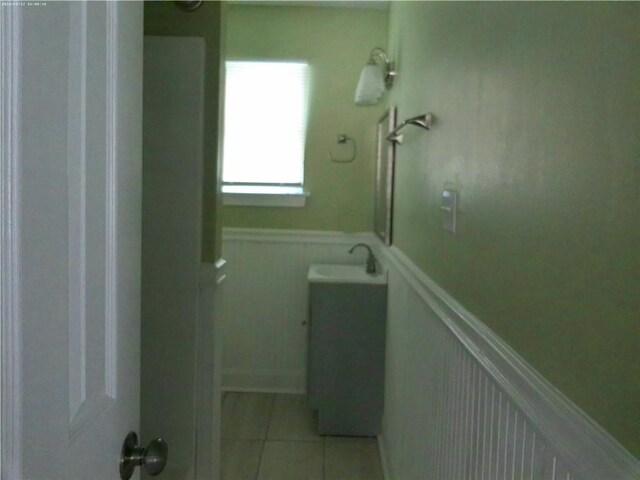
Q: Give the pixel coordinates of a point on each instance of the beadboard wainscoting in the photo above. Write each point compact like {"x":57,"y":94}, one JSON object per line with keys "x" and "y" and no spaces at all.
{"x":459,"y":403}
{"x":264,"y":310}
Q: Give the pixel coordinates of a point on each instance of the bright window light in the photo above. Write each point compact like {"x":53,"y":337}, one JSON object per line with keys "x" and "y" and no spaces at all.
{"x":265,"y":122}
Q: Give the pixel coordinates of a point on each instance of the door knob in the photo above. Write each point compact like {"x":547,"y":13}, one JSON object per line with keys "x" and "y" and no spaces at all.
{"x":153,"y":458}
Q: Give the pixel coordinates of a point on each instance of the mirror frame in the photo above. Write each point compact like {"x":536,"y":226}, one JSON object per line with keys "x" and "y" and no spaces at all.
{"x":385,"y":163}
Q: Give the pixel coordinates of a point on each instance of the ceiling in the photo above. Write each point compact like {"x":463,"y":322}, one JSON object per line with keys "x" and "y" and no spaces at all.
{"x":364,"y":4}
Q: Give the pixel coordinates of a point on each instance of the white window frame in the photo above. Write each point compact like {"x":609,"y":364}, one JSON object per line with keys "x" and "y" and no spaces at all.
{"x":252,"y":195}
{"x":266,"y":194}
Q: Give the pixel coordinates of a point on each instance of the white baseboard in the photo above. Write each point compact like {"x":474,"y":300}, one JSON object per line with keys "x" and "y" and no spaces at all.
{"x":384,"y":459}
{"x":266,"y":381}
{"x":285,"y":391}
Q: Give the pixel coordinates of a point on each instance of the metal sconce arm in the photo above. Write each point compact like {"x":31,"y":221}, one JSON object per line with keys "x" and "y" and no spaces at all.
{"x":424,"y":121}
{"x":389,"y":72}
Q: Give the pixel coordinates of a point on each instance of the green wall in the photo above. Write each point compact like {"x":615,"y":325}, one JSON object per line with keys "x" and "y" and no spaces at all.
{"x":336,"y":42}
{"x":164,"y":18}
{"x":538,"y":108}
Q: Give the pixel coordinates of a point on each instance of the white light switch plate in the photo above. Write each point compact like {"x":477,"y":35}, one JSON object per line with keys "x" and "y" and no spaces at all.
{"x":449,"y":207}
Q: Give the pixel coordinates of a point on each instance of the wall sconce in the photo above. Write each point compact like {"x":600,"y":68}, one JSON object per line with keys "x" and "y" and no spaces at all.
{"x":377,"y":74}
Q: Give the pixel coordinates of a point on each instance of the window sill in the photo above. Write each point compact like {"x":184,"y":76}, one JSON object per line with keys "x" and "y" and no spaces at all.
{"x":263,"y":196}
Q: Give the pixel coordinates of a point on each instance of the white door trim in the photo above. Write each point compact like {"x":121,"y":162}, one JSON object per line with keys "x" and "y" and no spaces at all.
{"x":111,"y":313}
{"x":10,"y":101}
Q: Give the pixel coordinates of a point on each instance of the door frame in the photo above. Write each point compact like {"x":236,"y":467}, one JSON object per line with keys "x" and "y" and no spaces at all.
{"x":10,"y":232}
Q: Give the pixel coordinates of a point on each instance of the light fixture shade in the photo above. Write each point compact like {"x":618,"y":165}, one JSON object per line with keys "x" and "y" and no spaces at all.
{"x":371,"y":85}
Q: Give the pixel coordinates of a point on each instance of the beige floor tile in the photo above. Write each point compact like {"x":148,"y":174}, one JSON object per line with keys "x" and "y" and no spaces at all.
{"x":240,"y":459}
{"x":245,"y":416}
{"x":291,"y":461}
{"x":292,"y":420}
{"x":351,"y":459}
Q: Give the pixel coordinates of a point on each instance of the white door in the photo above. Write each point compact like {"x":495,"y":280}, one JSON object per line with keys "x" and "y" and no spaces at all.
{"x":72,"y":97}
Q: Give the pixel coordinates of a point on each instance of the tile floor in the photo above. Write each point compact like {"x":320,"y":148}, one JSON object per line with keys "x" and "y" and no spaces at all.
{"x":273,"y":437}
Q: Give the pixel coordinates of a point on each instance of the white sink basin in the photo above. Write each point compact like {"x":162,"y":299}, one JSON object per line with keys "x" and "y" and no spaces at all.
{"x":319,"y":273}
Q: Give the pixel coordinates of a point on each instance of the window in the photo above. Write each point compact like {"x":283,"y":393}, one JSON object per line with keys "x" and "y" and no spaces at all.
{"x":264,"y":133}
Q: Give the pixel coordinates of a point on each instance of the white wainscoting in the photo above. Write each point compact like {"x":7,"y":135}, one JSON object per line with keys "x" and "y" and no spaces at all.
{"x":264,"y":308}
{"x":459,"y":403}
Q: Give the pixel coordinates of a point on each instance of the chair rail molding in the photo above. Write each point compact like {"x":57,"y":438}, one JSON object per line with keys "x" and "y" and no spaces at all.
{"x":297,"y":236}
{"x":10,"y":208}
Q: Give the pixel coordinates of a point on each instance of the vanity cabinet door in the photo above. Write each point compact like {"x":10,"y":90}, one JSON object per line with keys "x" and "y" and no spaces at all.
{"x":346,"y":357}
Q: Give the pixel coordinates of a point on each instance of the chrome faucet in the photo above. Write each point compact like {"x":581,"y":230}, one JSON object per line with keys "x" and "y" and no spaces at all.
{"x":371,"y":259}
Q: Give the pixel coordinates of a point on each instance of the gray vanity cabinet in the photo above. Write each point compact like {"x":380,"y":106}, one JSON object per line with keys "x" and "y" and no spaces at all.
{"x":347,"y":356}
